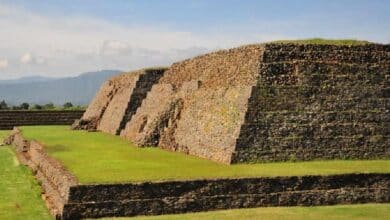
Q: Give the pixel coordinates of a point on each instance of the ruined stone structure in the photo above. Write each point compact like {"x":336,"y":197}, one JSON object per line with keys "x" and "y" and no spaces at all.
{"x":9,"y":119}
{"x":67,"y":199}
{"x":265,"y":102}
{"x":318,"y":102}
{"x":54,"y":179}
{"x":117,"y":100}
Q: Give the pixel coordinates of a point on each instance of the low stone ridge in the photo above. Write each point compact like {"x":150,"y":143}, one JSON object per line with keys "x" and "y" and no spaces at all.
{"x":54,"y":179}
{"x":117,"y":100}
{"x":10,"y":119}
{"x":91,"y":201}
{"x":267,"y":102}
{"x":67,"y":199}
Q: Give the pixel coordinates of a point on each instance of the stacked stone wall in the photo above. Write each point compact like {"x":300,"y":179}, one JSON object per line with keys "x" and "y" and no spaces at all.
{"x":265,"y":102}
{"x":116,"y":106}
{"x":54,"y":179}
{"x":322,"y":102}
{"x":142,"y":87}
{"x":9,"y":119}
{"x":204,"y":195}
{"x":92,"y":116}
{"x":117,"y":101}
{"x":152,"y":117}
{"x":202,"y":113}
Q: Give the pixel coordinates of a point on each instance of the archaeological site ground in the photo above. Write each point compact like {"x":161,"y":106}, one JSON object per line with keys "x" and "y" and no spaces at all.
{"x":301,"y":123}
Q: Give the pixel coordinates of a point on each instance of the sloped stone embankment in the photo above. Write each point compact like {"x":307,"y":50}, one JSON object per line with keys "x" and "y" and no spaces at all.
{"x":55,"y":180}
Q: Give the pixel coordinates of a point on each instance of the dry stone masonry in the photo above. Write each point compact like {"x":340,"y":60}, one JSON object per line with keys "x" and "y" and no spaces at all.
{"x":54,"y":179}
{"x":9,"y":119}
{"x":205,"y":195}
{"x":264,"y":102}
{"x":117,"y":101}
{"x":318,"y":102}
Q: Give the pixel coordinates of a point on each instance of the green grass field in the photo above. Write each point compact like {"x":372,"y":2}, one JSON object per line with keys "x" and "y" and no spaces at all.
{"x":339,"y":212}
{"x":3,"y":134}
{"x":321,"y":41}
{"x":102,"y":158}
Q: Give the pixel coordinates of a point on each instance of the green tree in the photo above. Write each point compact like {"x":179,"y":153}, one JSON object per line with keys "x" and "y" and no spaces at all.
{"x":68,"y":105}
{"x":49,"y":106}
{"x":37,"y":107}
{"x":24,"y":106}
{"x":15,"y":107}
{"x":3,"y":105}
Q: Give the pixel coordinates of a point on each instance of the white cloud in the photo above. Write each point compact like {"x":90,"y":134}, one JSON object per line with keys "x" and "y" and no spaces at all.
{"x":111,"y":47}
{"x":59,"y":46}
{"x":40,"y":60}
{"x":3,"y":63}
{"x":69,"y":45}
{"x":26,"y":58}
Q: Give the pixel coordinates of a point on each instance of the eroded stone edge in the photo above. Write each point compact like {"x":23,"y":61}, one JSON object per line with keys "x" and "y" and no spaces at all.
{"x":53,"y":177}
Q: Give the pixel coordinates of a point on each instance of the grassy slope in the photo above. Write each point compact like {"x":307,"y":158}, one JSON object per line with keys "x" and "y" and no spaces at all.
{"x":350,"y":42}
{"x":19,"y":192}
{"x":3,"y":134}
{"x":99,"y":157}
{"x":356,"y":212}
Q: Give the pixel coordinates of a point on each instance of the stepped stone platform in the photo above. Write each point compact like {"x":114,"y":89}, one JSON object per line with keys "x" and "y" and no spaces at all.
{"x":262,"y":102}
{"x":10,"y":119}
{"x":68,"y":199}
{"x":117,"y":100}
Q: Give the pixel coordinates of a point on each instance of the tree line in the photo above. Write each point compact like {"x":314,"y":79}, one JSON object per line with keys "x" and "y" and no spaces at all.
{"x":48,"y":106}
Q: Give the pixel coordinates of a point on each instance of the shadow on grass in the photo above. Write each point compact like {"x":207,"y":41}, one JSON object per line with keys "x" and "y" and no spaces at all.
{"x":57,"y":148}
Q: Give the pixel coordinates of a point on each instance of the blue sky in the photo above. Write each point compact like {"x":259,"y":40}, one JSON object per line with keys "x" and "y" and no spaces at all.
{"x":58,"y":38}
{"x":320,"y":16}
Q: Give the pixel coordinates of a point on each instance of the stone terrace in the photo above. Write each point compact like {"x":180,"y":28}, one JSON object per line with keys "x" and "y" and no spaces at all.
{"x":9,"y":119}
{"x":67,"y":198}
{"x":265,"y":102}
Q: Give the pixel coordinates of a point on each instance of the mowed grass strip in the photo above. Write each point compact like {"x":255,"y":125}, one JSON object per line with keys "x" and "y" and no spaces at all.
{"x":96,"y":157}
{"x":20,"y":195}
{"x":322,"y":41}
{"x":339,"y":212}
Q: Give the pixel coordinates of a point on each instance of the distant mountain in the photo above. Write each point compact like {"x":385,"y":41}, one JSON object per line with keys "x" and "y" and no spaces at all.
{"x":41,"y":90}
{"x":27,"y":79}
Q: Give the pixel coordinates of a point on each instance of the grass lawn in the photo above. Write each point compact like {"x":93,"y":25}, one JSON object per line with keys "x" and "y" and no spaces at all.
{"x":102,"y":158}
{"x":19,"y":192}
{"x":355,"y":212}
{"x":348,"y":42}
{"x":3,"y":134}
